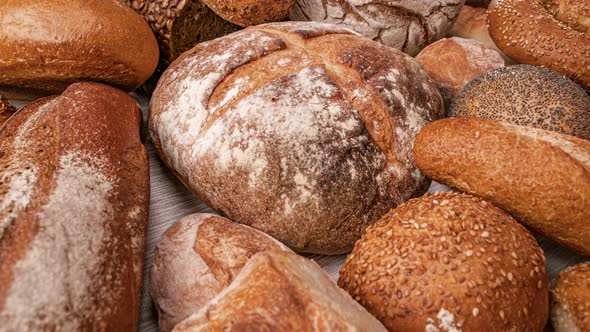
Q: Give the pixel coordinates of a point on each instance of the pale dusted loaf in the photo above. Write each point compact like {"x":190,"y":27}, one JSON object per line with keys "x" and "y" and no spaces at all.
{"x":540,"y":177}
{"x":307,"y":143}
{"x":250,"y":12}
{"x":453,"y":62}
{"x":196,"y":259}
{"x":407,"y":25}
{"x":570,"y":300}
{"x":47,"y":45}
{"x":449,"y":262}
{"x":280,"y":291}
{"x":74,"y":195}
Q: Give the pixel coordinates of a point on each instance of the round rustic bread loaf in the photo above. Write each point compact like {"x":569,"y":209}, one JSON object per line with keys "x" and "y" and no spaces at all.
{"x":527,"y":96}
{"x":307,"y":143}
{"x":531,"y":32}
{"x":47,"y":45}
{"x":453,"y":62}
{"x":570,"y":299}
{"x":407,"y":25}
{"x":449,"y":262}
{"x":250,"y":12}
{"x":196,"y":259}
{"x":180,"y":24}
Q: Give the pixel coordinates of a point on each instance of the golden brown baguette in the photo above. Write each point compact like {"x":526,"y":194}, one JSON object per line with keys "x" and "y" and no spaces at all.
{"x":282,"y":292}
{"x":48,"y":45}
{"x":540,"y":177}
{"x":74,"y":194}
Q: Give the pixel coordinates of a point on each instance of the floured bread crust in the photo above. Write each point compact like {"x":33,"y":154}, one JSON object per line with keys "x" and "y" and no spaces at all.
{"x":307,"y":143}
{"x":406,"y":25}
{"x":74,"y":194}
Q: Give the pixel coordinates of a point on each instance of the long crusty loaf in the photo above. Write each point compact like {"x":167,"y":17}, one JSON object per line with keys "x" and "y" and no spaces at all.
{"x":196,"y":259}
{"x":74,"y":194}
{"x":280,"y":291}
{"x":540,"y":177}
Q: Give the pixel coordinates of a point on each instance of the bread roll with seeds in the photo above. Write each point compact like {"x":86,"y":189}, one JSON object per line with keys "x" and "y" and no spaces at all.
{"x":540,"y":177}
{"x":449,"y":262}
{"x":530,"y":32}
{"x":454,"y":62}
{"x":74,"y":195}
{"x":251,"y":12}
{"x":307,"y":143}
{"x":48,"y":45}
{"x":527,"y":96}
{"x":6,"y":110}
{"x":180,"y":24}
{"x":471,"y":24}
{"x":406,"y":25}
{"x":196,"y":259}
{"x":283,"y":292}
{"x":570,"y":300}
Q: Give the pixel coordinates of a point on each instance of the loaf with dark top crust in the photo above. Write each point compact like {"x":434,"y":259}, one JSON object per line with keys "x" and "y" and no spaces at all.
{"x":251,"y":12}
{"x":74,"y":195}
{"x":307,"y":143}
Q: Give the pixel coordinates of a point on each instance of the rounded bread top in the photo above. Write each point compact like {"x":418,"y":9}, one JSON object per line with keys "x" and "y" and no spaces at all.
{"x":316,"y":140}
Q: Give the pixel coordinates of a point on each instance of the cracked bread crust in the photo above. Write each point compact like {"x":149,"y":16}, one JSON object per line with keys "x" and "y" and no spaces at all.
{"x":306,"y":143}
{"x":197,"y":258}
{"x":406,"y":25}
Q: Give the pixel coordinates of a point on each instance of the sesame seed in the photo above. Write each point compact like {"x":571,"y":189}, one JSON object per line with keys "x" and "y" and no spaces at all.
{"x":475,"y":312}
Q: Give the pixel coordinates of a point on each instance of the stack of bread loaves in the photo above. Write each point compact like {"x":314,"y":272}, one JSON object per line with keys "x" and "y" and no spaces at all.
{"x":317,"y":136}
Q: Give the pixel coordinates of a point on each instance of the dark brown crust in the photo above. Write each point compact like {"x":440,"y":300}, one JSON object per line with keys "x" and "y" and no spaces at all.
{"x":280,"y":291}
{"x":526,"y":95}
{"x":572,"y":292}
{"x":203,"y":253}
{"x":451,"y":252}
{"x":478,"y":3}
{"x":95,"y":122}
{"x":381,"y":94}
{"x":540,"y":177}
{"x":52,"y":49}
{"x":528,"y":32}
{"x":6,"y":110}
{"x":180,"y":24}
{"x":251,"y":12}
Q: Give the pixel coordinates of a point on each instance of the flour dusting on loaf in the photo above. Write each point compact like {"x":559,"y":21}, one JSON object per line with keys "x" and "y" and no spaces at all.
{"x":293,"y":138}
{"x":65,"y":254}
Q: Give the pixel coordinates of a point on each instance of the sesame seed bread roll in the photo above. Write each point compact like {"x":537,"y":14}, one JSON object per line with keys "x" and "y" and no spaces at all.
{"x":449,"y":262}
{"x":471,"y":24}
{"x":540,"y":177}
{"x":280,"y":291}
{"x":570,"y":300}
{"x":48,"y":45}
{"x":6,"y":110}
{"x":251,"y":12}
{"x":454,"y":62}
{"x":529,"y":96}
{"x":533,"y":32}
{"x":196,"y":259}
{"x":74,"y":195}
{"x":307,"y":143}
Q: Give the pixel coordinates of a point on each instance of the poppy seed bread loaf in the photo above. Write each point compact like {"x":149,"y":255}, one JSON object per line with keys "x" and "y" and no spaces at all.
{"x":527,"y":96}
{"x":308,"y":143}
